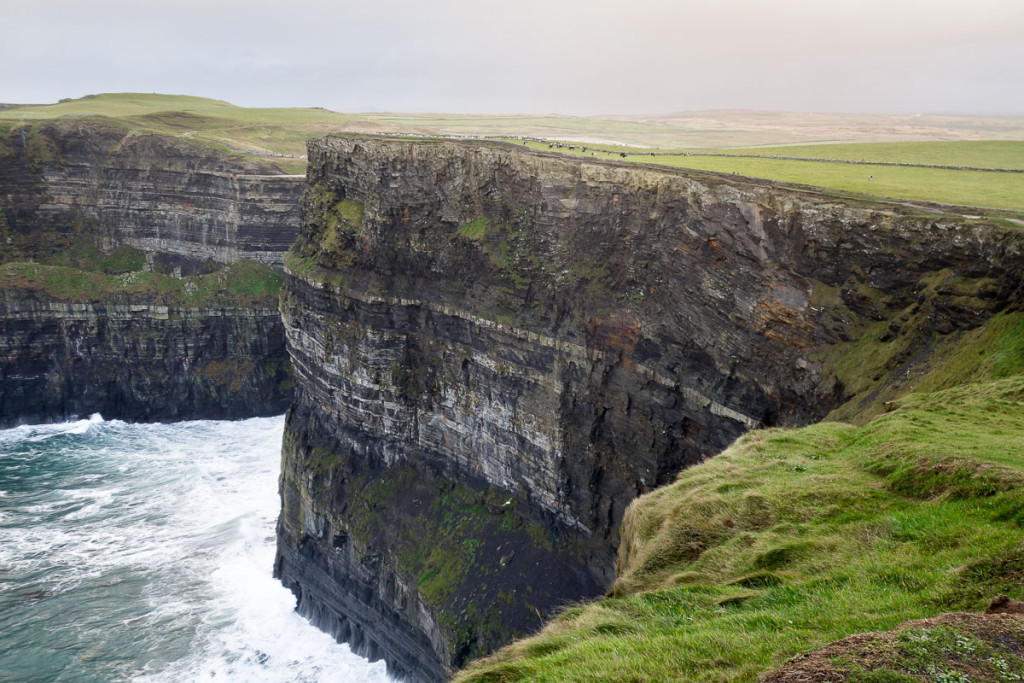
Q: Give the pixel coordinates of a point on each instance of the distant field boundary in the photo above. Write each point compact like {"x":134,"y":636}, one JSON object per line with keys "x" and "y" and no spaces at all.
{"x":589,"y":148}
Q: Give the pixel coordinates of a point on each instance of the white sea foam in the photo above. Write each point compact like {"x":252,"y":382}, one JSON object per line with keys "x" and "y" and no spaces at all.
{"x":149,"y":548}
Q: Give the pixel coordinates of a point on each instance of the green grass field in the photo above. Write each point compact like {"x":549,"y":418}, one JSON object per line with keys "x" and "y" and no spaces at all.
{"x":975,"y":153}
{"x":963,"y":188}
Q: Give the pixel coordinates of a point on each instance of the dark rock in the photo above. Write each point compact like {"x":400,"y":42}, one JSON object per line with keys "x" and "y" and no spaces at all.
{"x":156,"y":193}
{"x":138,"y":361}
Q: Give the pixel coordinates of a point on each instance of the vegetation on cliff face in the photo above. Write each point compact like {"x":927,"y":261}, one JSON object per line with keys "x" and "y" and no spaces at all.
{"x":919,"y":349}
{"x":245,"y":283}
{"x":791,"y":539}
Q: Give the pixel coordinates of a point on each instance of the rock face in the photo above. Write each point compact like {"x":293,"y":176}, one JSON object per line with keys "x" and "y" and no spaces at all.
{"x":156,"y":193}
{"x":496,"y":350}
{"x":138,"y":361}
{"x":141,"y":354}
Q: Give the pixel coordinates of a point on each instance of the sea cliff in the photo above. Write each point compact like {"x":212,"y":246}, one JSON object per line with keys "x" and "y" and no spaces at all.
{"x":159,"y":194}
{"x":495,"y":351}
{"x":136,"y":277}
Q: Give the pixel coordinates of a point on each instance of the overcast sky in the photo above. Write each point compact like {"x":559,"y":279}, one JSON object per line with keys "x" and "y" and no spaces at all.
{"x":542,"y":56}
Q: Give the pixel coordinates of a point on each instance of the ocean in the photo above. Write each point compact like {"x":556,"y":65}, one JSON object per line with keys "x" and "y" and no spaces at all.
{"x":143,"y":552}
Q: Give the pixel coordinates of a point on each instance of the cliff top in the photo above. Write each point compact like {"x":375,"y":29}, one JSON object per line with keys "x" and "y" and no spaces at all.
{"x":1001,"y":189}
{"x":965,"y":178}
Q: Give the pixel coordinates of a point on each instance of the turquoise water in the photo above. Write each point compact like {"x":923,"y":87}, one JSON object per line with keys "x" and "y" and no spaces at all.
{"x":144,"y":552}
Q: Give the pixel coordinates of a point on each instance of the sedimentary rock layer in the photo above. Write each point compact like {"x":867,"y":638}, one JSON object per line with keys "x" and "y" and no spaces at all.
{"x":156,"y":193}
{"x":87,"y":186}
{"x":496,"y":350}
{"x":138,"y":361}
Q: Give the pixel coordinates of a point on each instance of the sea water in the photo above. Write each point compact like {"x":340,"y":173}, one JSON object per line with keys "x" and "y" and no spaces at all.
{"x":144,"y":552}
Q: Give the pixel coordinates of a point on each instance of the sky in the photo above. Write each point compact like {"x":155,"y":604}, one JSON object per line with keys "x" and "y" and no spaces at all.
{"x":578,"y":57}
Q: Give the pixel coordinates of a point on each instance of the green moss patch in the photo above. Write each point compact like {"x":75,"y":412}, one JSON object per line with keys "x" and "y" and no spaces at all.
{"x":242,"y":283}
{"x":476,"y":229}
{"x":83,"y":254}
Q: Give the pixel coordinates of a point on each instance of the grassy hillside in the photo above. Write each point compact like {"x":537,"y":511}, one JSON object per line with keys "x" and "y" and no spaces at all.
{"x":275,"y":135}
{"x":791,"y":539}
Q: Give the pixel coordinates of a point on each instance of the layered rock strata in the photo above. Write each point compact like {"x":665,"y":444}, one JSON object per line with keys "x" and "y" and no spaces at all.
{"x":159,"y":194}
{"x":153,"y":351}
{"x":139,"y":361}
{"x":496,"y":350}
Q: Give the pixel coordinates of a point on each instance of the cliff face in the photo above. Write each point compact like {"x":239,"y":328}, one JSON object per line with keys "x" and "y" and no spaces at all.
{"x":128,"y":284}
{"x":138,"y":361}
{"x":155,"y":193}
{"x":495,"y":351}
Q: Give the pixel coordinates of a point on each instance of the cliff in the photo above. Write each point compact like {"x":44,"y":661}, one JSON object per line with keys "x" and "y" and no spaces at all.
{"x":185,"y":202}
{"x":496,"y":351}
{"x":136,"y":276}
{"x":151,"y":348}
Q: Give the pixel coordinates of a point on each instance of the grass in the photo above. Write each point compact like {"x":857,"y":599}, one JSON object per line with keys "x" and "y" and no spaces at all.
{"x":476,"y":229}
{"x":974,"y":153}
{"x":964,"y":188}
{"x":793,"y":538}
{"x":242,"y":283}
{"x":83,"y":254}
{"x":276,"y":136}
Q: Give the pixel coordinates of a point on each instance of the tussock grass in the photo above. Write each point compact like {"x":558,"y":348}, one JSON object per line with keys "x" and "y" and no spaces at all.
{"x":791,"y":539}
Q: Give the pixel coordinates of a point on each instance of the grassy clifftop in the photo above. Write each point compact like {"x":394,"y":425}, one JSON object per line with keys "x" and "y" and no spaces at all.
{"x":791,"y":539}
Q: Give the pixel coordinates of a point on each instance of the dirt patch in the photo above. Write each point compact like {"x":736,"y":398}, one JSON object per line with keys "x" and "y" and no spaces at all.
{"x":1004,"y":605}
{"x":949,"y":647}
